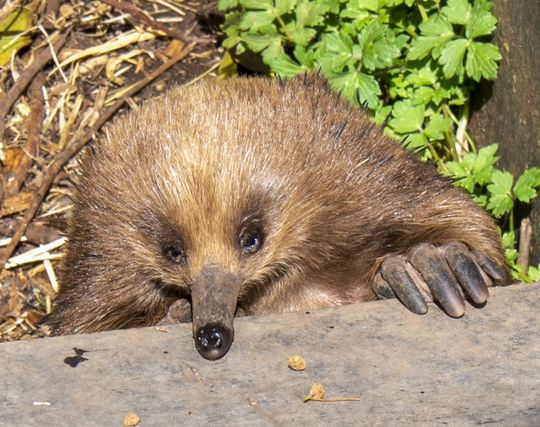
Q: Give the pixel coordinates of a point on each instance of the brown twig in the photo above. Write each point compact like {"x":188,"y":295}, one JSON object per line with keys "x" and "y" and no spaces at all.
{"x":42,"y":57}
{"x":34,"y":123}
{"x":51,"y":10}
{"x":525,"y":234}
{"x":145,"y":19}
{"x":75,"y":145}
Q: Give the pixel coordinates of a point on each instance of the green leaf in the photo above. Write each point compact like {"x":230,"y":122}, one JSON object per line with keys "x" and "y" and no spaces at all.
{"x":509,"y":239}
{"x":437,"y":126}
{"x":258,"y":42}
{"x":474,"y":169}
{"x":345,"y":84}
{"x":358,"y":87}
{"x":481,"y":22}
{"x":286,"y":67}
{"x":424,"y":45}
{"x":480,"y":200}
{"x":309,"y":14}
{"x":283,"y":6}
{"x":526,"y":185}
{"x":457,"y":11}
{"x":257,"y":4}
{"x":359,"y":9}
{"x":305,"y":57}
{"x":336,"y":53}
{"x":272,"y":52}
{"x":511,"y":255}
{"x":500,"y":201}
{"x":231,"y":42}
{"x":407,"y":118}
{"x":422,"y":95}
{"x":227,"y":4}
{"x":253,"y":21}
{"x":356,"y":14}
{"x":368,"y":90}
{"x":372,"y":5}
{"x":382,"y":114}
{"x":298,"y":36}
{"x":338,"y":43}
{"x":461,"y":176}
{"x":423,"y":76}
{"x":379,"y":46}
{"x":482,"y":61}
{"x":415,"y":141}
{"x":452,"y":57}
{"x":534,"y":273}
{"x":483,"y":163}
{"x":436,"y":32}
{"x":436,"y":25}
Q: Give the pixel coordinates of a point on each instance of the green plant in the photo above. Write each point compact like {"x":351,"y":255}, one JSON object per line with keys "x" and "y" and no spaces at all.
{"x":496,"y":191}
{"x":411,"y":64}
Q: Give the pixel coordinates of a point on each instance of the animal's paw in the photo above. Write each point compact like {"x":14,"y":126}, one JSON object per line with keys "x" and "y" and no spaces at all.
{"x":445,"y":274}
{"x":178,"y":312}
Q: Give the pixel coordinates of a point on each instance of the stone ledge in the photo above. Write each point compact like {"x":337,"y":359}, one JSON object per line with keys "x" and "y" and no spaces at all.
{"x":406,"y":369}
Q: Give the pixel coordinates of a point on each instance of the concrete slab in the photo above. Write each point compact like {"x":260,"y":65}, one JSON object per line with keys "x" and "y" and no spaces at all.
{"x":406,"y":369}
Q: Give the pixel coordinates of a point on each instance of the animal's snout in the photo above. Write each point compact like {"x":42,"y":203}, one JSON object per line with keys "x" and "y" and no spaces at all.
{"x":214,"y":296}
{"x":213,"y":341}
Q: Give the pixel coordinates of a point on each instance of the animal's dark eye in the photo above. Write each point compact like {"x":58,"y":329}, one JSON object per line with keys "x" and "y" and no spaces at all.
{"x":250,"y":240}
{"x":174,"y":253}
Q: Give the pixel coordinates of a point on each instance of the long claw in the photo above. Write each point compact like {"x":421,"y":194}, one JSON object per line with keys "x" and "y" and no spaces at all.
{"x":441,"y":281}
{"x":395,"y":274}
{"x":466,"y":271}
{"x":490,"y":267}
{"x":382,"y":288}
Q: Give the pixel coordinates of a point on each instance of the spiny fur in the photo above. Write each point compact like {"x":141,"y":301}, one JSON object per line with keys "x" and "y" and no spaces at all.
{"x":334,"y":196}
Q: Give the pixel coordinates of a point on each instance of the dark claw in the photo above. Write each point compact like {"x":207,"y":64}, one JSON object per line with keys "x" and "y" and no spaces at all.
{"x":466,"y":271}
{"x":240,"y":312}
{"x":395,"y":274}
{"x":382,"y":288}
{"x":490,"y":267}
{"x":178,"y":312}
{"x":439,"y":278}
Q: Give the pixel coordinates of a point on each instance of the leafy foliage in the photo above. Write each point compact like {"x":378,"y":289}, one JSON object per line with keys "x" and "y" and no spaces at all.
{"x":414,"y":61}
{"x":411,"y":63}
{"x":498,"y":192}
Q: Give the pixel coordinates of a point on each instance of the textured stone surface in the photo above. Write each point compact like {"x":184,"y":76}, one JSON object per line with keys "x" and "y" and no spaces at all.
{"x":422,"y":370}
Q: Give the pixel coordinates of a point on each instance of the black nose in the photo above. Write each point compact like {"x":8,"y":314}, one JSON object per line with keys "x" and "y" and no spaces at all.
{"x":213,"y":341}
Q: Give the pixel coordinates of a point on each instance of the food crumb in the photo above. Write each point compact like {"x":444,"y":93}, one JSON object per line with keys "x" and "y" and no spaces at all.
{"x":296,"y":363}
{"x":131,"y":419}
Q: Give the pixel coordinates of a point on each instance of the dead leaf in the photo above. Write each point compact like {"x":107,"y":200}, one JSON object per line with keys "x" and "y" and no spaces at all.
{"x":17,"y":203}
{"x":12,"y":26}
{"x":315,"y":393}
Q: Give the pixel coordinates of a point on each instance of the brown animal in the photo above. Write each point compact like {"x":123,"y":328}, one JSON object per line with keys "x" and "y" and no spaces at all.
{"x":259,"y":196}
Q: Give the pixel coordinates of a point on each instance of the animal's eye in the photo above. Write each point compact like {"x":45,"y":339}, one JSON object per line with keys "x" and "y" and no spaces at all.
{"x":250,"y":240}
{"x":174,"y":253}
